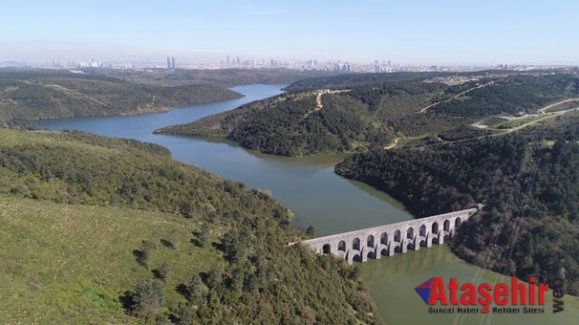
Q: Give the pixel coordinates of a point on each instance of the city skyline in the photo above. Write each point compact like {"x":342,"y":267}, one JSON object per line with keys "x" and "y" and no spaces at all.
{"x":447,"y":32}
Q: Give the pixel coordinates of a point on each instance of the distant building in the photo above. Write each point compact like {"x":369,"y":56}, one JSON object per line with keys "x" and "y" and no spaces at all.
{"x":168,"y":63}
{"x":91,"y":64}
{"x":173,"y":63}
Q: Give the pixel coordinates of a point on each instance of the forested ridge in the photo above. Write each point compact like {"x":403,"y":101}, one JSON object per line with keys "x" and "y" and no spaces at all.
{"x":223,"y":77}
{"x":528,"y":182}
{"x":358,"y":117}
{"x":376,"y":79}
{"x":358,"y":80}
{"x":34,"y":95}
{"x":115,"y":231}
{"x":292,"y":125}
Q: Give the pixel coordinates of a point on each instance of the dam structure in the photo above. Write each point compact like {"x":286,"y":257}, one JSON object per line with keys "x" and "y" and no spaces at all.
{"x":385,"y":240}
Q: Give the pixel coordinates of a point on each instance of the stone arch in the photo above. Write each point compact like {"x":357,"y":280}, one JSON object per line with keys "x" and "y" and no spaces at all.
{"x":446,"y":225}
{"x":385,"y":252}
{"x":435,"y":227}
{"x":423,"y":243}
{"x":422,"y":231}
{"x":397,"y":236}
{"x":327,"y":249}
{"x":356,"y":243}
{"x":371,"y":254}
{"x":398,"y":248}
{"x":410,"y":233}
{"x":342,"y":246}
{"x":457,"y":222}
{"x":370,"y":241}
{"x":357,"y":258}
{"x":384,"y":238}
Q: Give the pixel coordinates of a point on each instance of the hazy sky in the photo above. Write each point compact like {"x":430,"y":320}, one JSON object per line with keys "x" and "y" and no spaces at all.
{"x":405,"y":31}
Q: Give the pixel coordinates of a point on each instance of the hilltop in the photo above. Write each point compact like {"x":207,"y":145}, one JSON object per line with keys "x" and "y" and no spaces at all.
{"x":38,"y":94}
{"x":292,"y":125}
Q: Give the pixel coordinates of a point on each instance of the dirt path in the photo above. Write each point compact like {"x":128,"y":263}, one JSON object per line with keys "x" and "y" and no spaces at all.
{"x":546,"y":117}
{"x":425,"y":109}
{"x":397,"y":140}
{"x":319,"y":104}
{"x":393,"y":144}
{"x":557,"y":103}
{"x":507,"y":131}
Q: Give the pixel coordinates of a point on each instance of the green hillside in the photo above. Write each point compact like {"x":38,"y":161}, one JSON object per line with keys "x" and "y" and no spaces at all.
{"x":100,"y":230}
{"x":527,"y":181}
{"x":399,"y":110}
{"x":292,"y":125}
{"x":34,"y":95}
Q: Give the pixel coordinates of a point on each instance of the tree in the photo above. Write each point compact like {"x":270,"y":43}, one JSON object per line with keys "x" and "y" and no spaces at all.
{"x":204,"y":235}
{"x":187,"y":209}
{"x":215,"y":276}
{"x":235,"y":245}
{"x":238,"y":279}
{"x":148,"y":298}
{"x":144,"y":253}
{"x":196,"y":289}
{"x":184,"y":315}
{"x":163,"y":272}
{"x":310,"y":231}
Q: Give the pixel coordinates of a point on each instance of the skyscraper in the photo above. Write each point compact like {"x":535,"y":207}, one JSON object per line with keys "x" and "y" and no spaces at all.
{"x":173,"y":63}
{"x":168,"y":63}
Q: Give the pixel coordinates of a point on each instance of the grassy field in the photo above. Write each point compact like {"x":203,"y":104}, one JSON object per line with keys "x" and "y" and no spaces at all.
{"x":492,"y":120}
{"x":71,"y":263}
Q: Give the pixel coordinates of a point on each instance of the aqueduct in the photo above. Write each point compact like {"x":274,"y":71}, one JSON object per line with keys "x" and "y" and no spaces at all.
{"x":384,"y":240}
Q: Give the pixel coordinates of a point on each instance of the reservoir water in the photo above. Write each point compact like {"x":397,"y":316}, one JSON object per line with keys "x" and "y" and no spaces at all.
{"x":310,"y":188}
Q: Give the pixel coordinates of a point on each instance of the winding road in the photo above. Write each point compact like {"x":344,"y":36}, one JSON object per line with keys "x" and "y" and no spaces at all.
{"x":557,"y":103}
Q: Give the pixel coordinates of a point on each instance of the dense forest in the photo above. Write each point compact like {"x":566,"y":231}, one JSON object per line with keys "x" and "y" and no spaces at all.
{"x":293,"y":125}
{"x":377,"y":79}
{"x":33,"y":95}
{"x":114,"y":231}
{"x":222,"y":77}
{"x":358,"y":80}
{"x":511,"y":96}
{"x":529,"y":183}
{"x":404,"y":107}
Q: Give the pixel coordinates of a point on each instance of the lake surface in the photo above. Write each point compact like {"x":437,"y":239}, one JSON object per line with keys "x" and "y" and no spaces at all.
{"x":311,"y":189}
